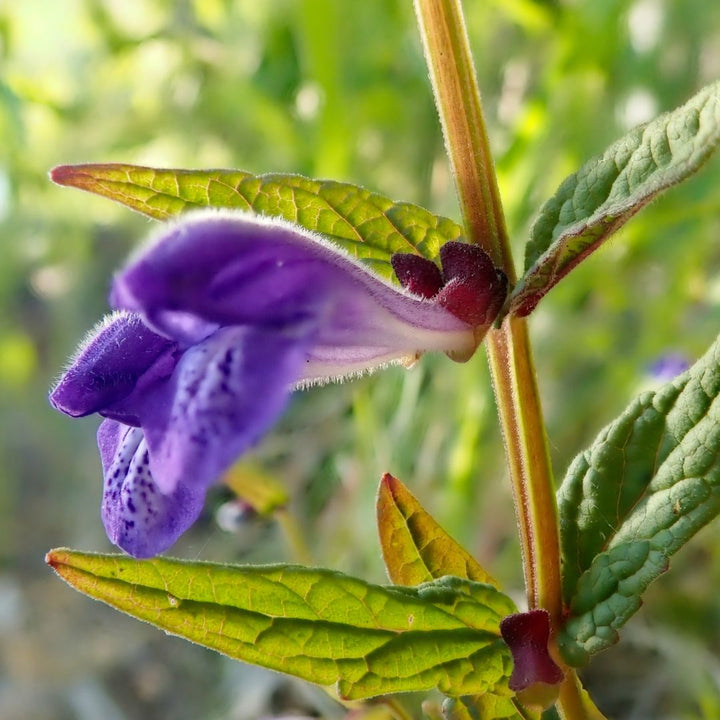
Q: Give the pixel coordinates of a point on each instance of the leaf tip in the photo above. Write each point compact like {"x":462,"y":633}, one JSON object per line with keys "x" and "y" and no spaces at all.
{"x":52,"y":558}
{"x":57,"y":559}
{"x":388,"y":482}
{"x":84,"y":176}
{"x":64,"y":175}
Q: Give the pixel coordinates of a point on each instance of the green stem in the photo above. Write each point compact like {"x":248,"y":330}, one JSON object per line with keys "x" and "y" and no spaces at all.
{"x":526,"y":445}
{"x":447,"y":52}
{"x":574,"y":703}
{"x":442,"y":28}
{"x":457,"y":96}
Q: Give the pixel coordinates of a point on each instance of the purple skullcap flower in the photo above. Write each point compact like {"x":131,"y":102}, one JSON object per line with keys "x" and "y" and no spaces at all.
{"x":220,"y":318}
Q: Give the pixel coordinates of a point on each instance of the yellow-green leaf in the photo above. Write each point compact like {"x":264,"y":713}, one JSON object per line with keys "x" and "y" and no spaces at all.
{"x":369,"y":226}
{"x":487,"y":707}
{"x":415,"y":548}
{"x":319,"y":625}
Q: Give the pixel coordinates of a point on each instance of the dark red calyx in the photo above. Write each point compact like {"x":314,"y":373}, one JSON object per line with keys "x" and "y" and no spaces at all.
{"x":462,"y":260}
{"x":527,"y":635}
{"x":469,"y":285}
{"x":475,"y":289}
{"x":417,"y":274}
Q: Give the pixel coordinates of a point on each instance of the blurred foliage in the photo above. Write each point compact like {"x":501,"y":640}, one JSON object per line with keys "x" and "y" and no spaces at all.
{"x":334,"y":89}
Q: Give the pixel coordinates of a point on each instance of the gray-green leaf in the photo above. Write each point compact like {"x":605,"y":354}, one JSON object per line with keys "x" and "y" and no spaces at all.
{"x":609,"y":189}
{"x":319,"y":625}
{"x":368,"y":225}
{"x":648,"y":483}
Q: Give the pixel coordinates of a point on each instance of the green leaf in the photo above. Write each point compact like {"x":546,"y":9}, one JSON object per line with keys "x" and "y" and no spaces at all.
{"x":609,"y":189}
{"x":319,"y":625}
{"x":648,"y":483}
{"x":369,"y":226}
{"x":415,"y":548}
{"x":486,"y":707}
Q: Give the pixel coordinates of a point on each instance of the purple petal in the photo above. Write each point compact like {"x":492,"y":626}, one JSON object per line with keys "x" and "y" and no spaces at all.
{"x":216,"y":269}
{"x":227,"y":268}
{"x":225,"y":393}
{"x":138,"y":517}
{"x":108,"y":366}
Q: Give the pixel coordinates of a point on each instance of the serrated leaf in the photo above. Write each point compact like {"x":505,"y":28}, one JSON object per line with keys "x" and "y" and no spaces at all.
{"x":369,"y":226}
{"x":415,"y":548}
{"x":319,"y":625}
{"x":609,"y":189}
{"x":648,"y":483}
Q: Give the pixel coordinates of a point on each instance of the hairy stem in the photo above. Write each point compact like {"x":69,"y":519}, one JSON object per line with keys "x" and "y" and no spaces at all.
{"x":442,"y":28}
{"x":574,"y":702}
{"x":526,"y":446}
{"x":457,"y":97}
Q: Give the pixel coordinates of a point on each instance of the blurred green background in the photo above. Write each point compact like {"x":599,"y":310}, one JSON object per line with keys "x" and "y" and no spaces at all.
{"x":331,"y":88}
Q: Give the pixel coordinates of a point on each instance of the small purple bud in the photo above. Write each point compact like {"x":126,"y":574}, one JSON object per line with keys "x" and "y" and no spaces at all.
{"x":417,"y":274}
{"x":527,"y":635}
{"x":667,"y":367}
{"x":475,"y":289}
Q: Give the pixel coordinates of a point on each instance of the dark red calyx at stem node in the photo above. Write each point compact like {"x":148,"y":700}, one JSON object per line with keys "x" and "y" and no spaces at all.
{"x":469,"y":286}
{"x":417,"y":274}
{"x":527,"y":635}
